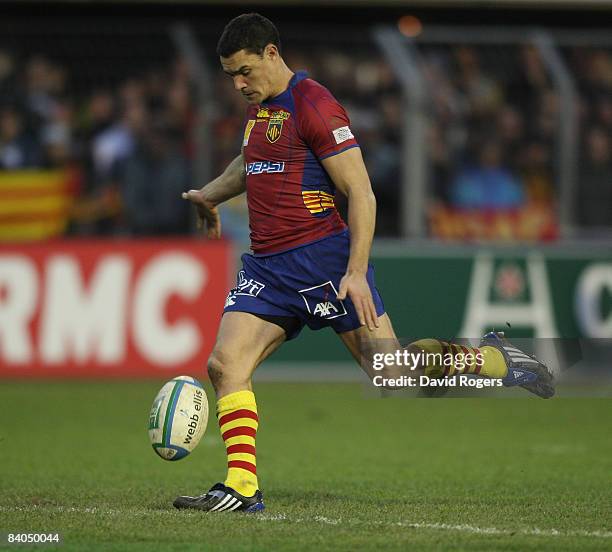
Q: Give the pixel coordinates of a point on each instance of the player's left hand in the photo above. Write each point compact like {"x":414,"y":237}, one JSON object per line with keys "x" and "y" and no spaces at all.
{"x":355,"y":285}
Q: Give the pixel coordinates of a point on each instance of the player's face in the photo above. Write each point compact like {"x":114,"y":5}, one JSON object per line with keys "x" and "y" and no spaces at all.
{"x":252,"y":74}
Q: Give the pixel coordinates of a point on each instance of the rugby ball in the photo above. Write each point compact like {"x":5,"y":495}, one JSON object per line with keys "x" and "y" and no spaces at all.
{"x":178,"y":418}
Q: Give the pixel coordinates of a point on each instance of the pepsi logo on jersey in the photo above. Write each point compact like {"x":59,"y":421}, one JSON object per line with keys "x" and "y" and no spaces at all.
{"x":260,"y":167}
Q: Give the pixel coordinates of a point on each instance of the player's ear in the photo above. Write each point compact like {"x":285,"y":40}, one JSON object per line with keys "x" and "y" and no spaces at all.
{"x":271,"y":52}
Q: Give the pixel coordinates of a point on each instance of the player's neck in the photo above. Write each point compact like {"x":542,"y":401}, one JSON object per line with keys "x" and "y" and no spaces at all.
{"x":283,"y":81}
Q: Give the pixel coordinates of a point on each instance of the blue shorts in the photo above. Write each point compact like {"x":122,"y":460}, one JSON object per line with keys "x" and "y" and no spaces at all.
{"x":301,"y":283}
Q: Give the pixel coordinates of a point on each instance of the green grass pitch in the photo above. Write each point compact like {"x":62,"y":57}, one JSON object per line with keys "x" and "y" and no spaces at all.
{"x":339,"y":470}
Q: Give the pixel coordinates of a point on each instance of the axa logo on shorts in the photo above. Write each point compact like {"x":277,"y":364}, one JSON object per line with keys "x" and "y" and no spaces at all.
{"x":261,"y":167}
{"x":325,"y":309}
{"x":321,"y":301}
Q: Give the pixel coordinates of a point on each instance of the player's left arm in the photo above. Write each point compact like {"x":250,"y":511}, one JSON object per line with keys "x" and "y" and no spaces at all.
{"x":349,"y":174}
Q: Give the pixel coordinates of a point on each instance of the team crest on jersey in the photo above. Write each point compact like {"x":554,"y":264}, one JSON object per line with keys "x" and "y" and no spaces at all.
{"x":275,"y":125}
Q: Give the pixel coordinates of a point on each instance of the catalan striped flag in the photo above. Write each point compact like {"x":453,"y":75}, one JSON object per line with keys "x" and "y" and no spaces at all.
{"x":35,"y":204}
{"x":238,"y":422}
{"x":317,"y":201}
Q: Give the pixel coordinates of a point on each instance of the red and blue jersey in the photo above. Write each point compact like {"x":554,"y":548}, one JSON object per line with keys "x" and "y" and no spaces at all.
{"x":290,"y":196}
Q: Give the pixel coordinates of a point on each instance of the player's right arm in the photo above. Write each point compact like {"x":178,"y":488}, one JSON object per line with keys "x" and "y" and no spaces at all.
{"x":226,"y":186}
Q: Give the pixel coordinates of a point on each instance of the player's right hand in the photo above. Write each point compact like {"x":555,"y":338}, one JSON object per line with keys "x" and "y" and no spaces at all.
{"x":208,"y":214}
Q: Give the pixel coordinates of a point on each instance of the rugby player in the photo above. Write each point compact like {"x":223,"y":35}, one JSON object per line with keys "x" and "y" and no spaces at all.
{"x":307,"y":267}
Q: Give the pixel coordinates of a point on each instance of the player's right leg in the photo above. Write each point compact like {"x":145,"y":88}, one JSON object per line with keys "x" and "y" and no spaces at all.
{"x":244,"y":340}
{"x":494,"y":358}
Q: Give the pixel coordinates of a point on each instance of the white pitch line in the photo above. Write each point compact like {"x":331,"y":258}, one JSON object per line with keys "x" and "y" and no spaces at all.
{"x":496,"y":531}
{"x":462,"y":528}
{"x":446,"y":527}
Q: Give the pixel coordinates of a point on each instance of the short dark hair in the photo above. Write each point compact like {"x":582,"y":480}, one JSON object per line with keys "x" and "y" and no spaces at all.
{"x":251,"y":32}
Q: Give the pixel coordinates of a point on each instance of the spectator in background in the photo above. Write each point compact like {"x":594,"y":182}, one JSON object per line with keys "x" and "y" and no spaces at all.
{"x":511,"y":134}
{"x":8,"y":88}
{"x":180,"y":116}
{"x":100,"y":116}
{"x":529,"y":81}
{"x":545,"y":123}
{"x":18,"y":149}
{"x":55,"y":136}
{"x":594,"y":205}
{"x":440,"y":171}
{"x":380,"y":139}
{"x":111,"y":146}
{"x":45,"y":84}
{"x":603,"y":112}
{"x":536,"y":174}
{"x":598,"y":75}
{"x":481,"y":93}
{"x":487,"y":184}
{"x":96,"y":211}
{"x":152,"y":181}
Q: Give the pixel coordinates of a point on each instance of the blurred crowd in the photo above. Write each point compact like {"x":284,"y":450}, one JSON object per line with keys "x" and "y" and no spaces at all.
{"x":491,"y":137}
{"x":494,"y":138}
{"x":131,"y":143}
{"x":593,"y":72}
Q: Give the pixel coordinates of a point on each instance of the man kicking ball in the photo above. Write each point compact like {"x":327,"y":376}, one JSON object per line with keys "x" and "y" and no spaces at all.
{"x":307,"y":266}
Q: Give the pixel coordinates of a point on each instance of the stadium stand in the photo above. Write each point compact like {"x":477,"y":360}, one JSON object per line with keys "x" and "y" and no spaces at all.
{"x":123,"y":128}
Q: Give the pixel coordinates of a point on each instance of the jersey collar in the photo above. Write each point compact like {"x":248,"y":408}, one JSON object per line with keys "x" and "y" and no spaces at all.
{"x":297,"y":77}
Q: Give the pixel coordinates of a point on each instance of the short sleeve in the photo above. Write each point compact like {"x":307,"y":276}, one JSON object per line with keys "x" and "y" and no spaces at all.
{"x":325,"y":126}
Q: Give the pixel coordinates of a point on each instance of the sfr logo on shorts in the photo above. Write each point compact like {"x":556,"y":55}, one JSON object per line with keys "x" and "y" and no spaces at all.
{"x":248,"y":286}
{"x":321,"y":301}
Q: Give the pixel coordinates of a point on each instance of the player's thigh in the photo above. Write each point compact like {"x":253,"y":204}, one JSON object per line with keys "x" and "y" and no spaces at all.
{"x":363,"y":343}
{"x":243,"y":341}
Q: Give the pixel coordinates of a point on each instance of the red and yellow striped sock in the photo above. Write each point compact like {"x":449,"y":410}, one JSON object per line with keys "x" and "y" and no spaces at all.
{"x":492,"y":365}
{"x":238,"y":421}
